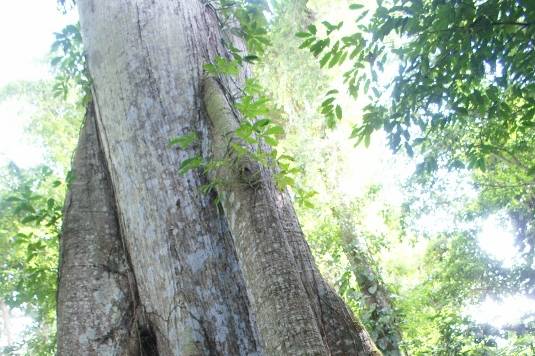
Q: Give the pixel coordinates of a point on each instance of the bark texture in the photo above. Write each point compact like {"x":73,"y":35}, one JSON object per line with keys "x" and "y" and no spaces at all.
{"x":232,"y":280}
{"x":95,"y":301}
{"x":286,"y":287}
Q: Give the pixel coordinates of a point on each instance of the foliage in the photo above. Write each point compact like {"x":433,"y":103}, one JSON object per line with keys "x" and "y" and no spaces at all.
{"x":289,"y":77}
{"x":246,"y":20}
{"x":451,"y":81}
{"x":461,"y":97}
{"x":68,"y":61}
{"x":258,"y":134}
{"x":456,"y":273}
{"x":54,"y":121}
{"x":31,"y":199}
{"x":354,"y":239}
{"x":464,"y":65}
{"x":31,"y":202}
{"x":255,"y":139}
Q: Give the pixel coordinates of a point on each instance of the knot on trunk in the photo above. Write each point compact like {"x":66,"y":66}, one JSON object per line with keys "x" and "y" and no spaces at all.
{"x":249,"y":172}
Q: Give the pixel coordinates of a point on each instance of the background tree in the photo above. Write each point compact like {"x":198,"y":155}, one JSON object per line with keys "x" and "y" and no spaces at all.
{"x":31,"y":204}
{"x":450,"y":82}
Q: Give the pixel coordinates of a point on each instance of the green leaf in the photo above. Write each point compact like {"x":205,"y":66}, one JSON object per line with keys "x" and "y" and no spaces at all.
{"x":238,"y":149}
{"x":261,"y":123}
{"x":331,"y":92}
{"x":303,"y":34}
{"x":306,"y":43}
{"x":362,"y":15}
{"x":222,"y":66}
{"x":367,"y":139}
{"x":325,"y":59}
{"x":206,"y":188}
{"x":251,"y":58}
{"x":338,"y":112}
{"x":282,"y":181}
{"x":54,"y":61}
{"x":409,"y":150}
{"x":286,"y":158}
{"x":13,"y":198}
{"x":275,"y":130}
{"x":356,"y":6}
{"x":244,"y":131}
{"x":376,"y":92}
{"x":183,"y":141}
{"x":29,"y":218}
{"x":189,"y":164}
{"x":271,"y":141}
{"x":327,"y":102}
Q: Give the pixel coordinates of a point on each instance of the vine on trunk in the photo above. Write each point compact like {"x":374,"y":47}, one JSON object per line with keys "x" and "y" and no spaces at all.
{"x":256,"y":138}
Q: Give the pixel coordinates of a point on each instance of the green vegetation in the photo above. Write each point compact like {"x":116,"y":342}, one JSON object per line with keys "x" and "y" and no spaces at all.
{"x":448,"y":85}
{"x":452,"y":84}
{"x":31,"y":204}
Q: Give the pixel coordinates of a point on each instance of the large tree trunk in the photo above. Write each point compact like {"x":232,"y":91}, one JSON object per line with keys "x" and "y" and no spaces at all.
{"x":194,"y":277}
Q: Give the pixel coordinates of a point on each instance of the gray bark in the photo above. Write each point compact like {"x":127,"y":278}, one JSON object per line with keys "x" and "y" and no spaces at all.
{"x":268,"y":238}
{"x":95,"y":301}
{"x":236,"y":280}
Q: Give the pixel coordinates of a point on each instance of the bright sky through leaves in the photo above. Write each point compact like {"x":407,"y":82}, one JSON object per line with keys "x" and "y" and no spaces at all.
{"x":26,"y":33}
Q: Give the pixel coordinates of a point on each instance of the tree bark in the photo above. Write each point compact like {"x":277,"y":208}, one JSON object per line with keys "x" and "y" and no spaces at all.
{"x":95,"y":301}
{"x":206,"y":279}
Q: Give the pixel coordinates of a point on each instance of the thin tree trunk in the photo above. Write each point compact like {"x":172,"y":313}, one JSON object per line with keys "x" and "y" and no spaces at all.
{"x":231,"y":280}
{"x":376,"y":296}
{"x":6,"y":323}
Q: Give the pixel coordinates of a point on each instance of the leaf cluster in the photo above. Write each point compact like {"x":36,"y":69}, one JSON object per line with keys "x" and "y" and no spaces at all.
{"x":464,"y":74}
{"x":30,"y":225}
{"x":256,"y":139}
{"x":258,"y":134}
{"x":68,"y":62}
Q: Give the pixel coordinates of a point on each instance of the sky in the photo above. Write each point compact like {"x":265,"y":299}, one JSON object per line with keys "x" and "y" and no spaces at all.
{"x":26,"y":33}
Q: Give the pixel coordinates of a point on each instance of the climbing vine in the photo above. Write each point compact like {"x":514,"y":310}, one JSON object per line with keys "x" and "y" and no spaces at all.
{"x":258,"y":134}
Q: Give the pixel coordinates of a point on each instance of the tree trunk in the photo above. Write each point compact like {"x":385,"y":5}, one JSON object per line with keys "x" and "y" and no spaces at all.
{"x":386,"y":331}
{"x":6,"y":322}
{"x":95,"y":302}
{"x":169,"y":271}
